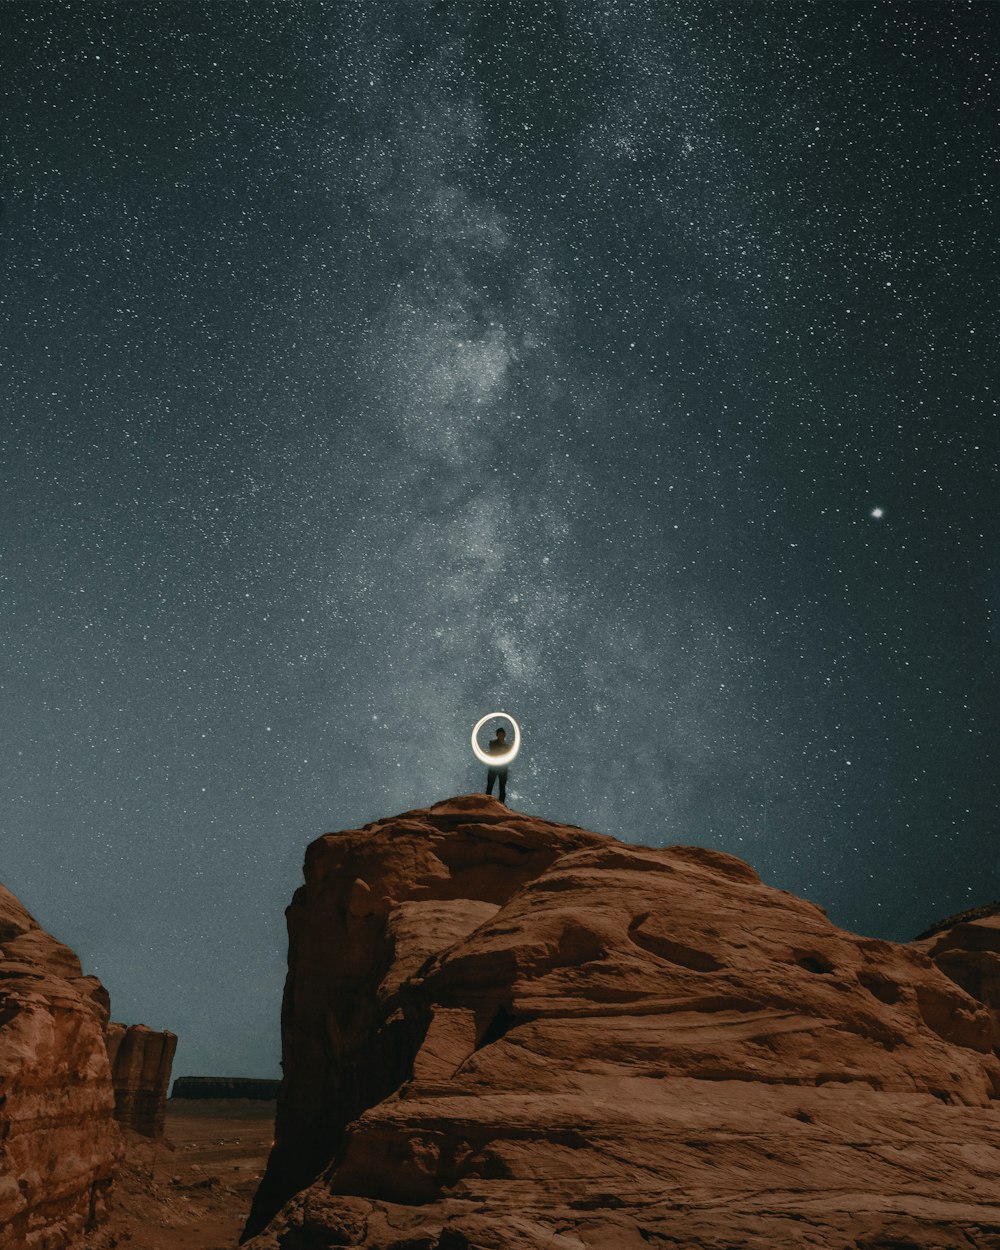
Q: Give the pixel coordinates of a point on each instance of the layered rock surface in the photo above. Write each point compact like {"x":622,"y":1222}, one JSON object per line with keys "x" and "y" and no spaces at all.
{"x":504,"y":1033}
{"x":68,"y":1077}
{"x":967,"y":949}
{"x":141,"y":1060}
{"x":59,"y":1142}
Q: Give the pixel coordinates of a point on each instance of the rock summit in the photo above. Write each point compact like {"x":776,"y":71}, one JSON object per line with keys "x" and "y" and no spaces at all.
{"x":502,"y":1033}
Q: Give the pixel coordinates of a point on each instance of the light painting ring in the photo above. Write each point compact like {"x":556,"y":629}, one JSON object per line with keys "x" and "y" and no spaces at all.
{"x":496,"y":761}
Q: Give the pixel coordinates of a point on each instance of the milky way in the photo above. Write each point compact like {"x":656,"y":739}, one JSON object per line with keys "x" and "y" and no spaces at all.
{"x":365,"y":367}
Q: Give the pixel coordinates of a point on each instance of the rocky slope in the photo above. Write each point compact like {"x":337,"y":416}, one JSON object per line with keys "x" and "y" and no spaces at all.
{"x":59,"y":1137}
{"x":500,"y":1032}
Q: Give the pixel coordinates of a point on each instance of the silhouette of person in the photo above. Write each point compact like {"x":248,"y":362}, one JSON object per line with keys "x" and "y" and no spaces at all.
{"x":498,"y":746}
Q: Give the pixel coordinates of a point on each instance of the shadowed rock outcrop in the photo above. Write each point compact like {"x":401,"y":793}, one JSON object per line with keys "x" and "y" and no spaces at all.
{"x":141,"y":1059}
{"x":504,"y":1033}
{"x":967,"y":949}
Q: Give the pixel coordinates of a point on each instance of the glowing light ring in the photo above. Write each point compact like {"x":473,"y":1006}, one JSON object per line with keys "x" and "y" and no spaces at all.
{"x":496,"y":761}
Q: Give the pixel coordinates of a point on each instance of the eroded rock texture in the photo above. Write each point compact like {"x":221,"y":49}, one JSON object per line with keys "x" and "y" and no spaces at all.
{"x":59,"y":1142}
{"x":68,"y":1076}
{"x":967,"y":949}
{"x":141,"y":1060}
{"x":509,"y":1034}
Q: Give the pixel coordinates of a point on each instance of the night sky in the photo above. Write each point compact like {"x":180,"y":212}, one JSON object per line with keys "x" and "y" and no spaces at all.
{"x":628,"y":365}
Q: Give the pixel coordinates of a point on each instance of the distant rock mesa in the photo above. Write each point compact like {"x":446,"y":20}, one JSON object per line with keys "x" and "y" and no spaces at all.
{"x":508,"y":1034}
{"x":199,"y":1087}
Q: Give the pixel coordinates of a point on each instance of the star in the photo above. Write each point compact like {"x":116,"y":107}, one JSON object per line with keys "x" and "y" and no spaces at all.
{"x":461,"y":370}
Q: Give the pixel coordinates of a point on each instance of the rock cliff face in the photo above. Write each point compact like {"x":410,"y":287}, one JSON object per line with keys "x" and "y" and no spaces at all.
{"x":68,"y":1076}
{"x":59,"y":1142}
{"x":377,"y":904}
{"x":504,"y":1033}
{"x":140,"y":1072}
{"x":967,"y":949}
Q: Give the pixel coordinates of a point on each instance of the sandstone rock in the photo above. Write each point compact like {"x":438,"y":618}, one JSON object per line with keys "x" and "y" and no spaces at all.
{"x":500,"y":1032}
{"x":967,"y":949}
{"x":346,"y":1046}
{"x":67,"y":1074}
{"x":58,"y":1139}
{"x":140,"y":1071}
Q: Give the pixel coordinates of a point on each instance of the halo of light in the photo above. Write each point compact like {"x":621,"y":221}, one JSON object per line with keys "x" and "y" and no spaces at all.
{"x":496,"y":761}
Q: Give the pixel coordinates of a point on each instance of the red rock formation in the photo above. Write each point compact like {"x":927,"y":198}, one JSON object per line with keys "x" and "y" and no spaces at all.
{"x":140,"y":1071}
{"x":67,"y":1074}
{"x":967,"y":949}
{"x":500,"y":1032}
{"x":58,"y":1139}
{"x":347,"y":933}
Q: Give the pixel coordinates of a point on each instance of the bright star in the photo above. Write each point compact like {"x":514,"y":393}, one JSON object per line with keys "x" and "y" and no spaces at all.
{"x":878,"y":513}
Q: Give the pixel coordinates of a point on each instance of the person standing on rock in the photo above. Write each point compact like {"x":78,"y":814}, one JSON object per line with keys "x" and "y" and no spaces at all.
{"x":498,"y":746}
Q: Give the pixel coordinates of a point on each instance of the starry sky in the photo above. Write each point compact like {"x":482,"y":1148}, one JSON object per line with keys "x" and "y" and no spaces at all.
{"x":367,"y":367}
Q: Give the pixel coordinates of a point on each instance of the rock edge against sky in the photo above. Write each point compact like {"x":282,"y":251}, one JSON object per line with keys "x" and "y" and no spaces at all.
{"x":501,"y":1032}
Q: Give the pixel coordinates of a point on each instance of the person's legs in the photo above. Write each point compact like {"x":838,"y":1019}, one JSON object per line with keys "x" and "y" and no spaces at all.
{"x":503,"y":785}
{"x":491,"y":776}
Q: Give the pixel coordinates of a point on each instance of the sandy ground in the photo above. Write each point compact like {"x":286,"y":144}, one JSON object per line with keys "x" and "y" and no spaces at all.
{"x":192,"y":1189}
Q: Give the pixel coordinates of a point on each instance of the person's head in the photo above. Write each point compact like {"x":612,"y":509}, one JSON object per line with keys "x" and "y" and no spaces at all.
{"x":501,"y":732}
